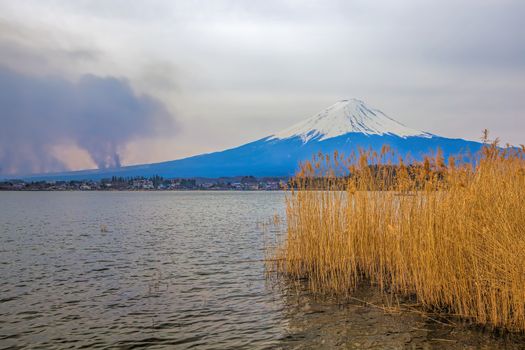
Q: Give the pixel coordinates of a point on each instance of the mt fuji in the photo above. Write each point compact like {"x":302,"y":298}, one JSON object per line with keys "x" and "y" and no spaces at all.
{"x":346,"y":126}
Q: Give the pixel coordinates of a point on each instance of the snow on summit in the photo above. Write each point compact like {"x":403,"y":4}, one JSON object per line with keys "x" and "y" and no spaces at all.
{"x":347,"y":116}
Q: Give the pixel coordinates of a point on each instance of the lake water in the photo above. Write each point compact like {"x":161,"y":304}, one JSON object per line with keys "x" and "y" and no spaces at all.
{"x":176,"y":270}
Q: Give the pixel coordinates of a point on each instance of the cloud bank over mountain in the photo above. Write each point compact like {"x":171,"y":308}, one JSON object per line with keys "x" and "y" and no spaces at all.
{"x":234,"y":70}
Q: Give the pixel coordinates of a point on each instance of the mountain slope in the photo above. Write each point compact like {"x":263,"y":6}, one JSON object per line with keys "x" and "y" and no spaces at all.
{"x":345,"y":126}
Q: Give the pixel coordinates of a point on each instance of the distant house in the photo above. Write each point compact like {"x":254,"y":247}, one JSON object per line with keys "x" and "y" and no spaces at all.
{"x":84,"y":187}
{"x":143,"y":184}
{"x":207,"y":185}
{"x":272,"y":186}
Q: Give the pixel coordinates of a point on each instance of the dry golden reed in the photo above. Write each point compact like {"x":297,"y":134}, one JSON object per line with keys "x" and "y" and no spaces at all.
{"x":451,"y":234}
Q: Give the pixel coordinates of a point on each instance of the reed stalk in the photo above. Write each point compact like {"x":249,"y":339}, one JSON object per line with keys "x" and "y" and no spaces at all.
{"x":449,"y":233}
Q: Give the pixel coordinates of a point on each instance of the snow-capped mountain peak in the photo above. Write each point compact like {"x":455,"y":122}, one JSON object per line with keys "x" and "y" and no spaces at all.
{"x":347,"y":116}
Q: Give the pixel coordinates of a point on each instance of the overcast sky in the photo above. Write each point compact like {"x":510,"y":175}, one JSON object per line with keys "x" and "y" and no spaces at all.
{"x":209,"y":75}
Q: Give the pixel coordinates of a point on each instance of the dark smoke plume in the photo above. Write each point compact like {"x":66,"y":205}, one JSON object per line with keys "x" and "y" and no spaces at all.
{"x":100,"y":115}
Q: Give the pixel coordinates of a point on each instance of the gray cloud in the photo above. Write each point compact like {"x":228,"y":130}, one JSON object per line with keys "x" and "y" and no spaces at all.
{"x":98,"y":114}
{"x":236,"y":70}
{"x":41,"y":50}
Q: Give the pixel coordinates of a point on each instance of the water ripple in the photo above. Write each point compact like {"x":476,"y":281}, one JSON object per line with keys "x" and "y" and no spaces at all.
{"x":175,"y":270}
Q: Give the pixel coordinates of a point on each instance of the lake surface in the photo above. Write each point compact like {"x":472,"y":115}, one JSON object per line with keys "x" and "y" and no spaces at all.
{"x":177,"y":270}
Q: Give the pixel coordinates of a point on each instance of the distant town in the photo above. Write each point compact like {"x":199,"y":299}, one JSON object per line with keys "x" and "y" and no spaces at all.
{"x":155,"y":183}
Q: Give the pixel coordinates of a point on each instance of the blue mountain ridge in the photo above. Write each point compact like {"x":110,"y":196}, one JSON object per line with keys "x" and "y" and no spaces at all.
{"x":346,"y":127}
{"x":273,"y":157}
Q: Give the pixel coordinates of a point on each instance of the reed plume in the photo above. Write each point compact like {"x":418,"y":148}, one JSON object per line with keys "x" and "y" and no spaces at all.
{"x":449,"y":233}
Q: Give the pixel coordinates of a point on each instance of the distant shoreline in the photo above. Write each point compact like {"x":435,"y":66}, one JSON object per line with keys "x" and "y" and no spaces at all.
{"x":153,"y":183}
{"x":131,"y":190}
